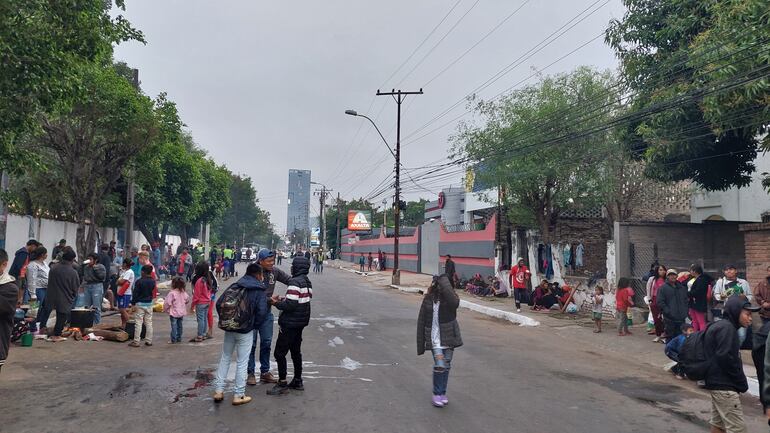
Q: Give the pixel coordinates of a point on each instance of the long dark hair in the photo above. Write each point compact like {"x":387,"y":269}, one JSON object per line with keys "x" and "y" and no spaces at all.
{"x":203,"y":269}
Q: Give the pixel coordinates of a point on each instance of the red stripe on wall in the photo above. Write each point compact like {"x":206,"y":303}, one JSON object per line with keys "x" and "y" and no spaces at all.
{"x":472,"y":261}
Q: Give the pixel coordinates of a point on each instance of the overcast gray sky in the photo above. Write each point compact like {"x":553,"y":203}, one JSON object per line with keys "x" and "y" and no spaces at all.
{"x":263,"y":86}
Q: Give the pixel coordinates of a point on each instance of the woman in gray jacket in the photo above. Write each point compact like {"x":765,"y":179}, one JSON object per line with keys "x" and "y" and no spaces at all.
{"x":438,"y":331}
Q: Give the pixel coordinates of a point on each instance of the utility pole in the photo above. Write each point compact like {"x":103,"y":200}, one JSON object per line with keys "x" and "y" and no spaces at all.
{"x":399,"y":97}
{"x":339,"y":218}
{"x":131,"y":190}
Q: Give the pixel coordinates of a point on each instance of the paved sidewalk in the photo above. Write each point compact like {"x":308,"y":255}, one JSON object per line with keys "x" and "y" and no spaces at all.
{"x":574,"y":327}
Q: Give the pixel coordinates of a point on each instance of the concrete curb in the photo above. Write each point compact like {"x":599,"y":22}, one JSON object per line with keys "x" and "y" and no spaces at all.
{"x":408,"y":289}
{"x":518,"y":319}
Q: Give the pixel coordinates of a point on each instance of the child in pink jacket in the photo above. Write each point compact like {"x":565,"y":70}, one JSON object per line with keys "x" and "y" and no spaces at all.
{"x":176,"y":306}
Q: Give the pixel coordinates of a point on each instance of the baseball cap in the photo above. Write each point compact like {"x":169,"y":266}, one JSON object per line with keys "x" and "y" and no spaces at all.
{"x":729,"y":266}
{"x":745,"y":304}
{"x":264,"y":253}
{"x":672,"y":271}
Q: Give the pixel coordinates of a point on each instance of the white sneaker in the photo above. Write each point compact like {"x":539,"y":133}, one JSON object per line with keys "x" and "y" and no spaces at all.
{"x":656,"y":340}
{"x":518,"y":310}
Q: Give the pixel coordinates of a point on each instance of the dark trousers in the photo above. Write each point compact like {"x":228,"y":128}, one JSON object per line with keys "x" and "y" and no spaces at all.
{"x":673,"y":328}
{"x":62,"y":318}
{"x":758,"y":357}
{"x":289,"y":340}
{"x":6,"y":328}
{"x":520,"y":295}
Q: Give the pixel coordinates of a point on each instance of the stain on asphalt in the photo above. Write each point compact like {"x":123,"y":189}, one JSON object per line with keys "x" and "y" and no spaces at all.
{"x":662,"y":396}
{"x":127,"y":384}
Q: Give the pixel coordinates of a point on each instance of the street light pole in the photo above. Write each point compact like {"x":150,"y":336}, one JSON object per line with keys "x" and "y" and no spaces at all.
{"x":399,"y":97}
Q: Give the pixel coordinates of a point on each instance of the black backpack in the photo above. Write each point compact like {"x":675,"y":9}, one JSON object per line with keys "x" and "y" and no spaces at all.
{"x":235,"y":310}
{"x":693,"y":359}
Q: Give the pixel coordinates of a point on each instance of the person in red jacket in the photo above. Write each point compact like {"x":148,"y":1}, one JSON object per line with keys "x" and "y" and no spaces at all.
{"x":519,"y":275}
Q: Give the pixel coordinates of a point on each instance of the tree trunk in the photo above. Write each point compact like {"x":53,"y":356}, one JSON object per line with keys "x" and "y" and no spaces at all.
{"x":163,"y":234}
{"x":80,"y":240}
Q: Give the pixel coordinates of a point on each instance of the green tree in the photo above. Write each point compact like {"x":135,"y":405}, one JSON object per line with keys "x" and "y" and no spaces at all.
{"x":91,"y":144}
{"x":43,"y":45}
{"x":548,"y":169}
{"x":699,"y":75}
{"x":414,"y":215}
{"x":243,"y":219}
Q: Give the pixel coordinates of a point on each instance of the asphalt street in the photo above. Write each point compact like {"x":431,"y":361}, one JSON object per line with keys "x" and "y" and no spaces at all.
{"x":362,"y":374}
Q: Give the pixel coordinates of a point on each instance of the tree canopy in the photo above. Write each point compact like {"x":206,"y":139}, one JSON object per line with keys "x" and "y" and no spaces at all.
{"x":533,"y":149}
{"x":698,"y":73}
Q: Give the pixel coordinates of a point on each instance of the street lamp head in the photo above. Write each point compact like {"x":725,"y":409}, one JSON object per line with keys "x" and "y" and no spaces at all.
{"x":351,"y":112}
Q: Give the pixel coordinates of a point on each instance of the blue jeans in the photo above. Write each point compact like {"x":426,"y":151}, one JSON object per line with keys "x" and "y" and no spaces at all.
{"x":202,"y":315}
{"x":94,"y":295}
{"x":176,"y":329}
{"x":242,"y":345}
{"x":442,"y":359}
{"x":265,"y":333}
{"x":42,"y":310}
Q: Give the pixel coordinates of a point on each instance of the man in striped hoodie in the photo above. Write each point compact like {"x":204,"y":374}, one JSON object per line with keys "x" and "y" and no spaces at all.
{"x":295,"y":316}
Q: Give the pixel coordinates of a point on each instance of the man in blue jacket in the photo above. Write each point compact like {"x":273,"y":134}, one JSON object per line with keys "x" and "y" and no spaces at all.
{"x":20,"y":261}
{"x":271,"y":274}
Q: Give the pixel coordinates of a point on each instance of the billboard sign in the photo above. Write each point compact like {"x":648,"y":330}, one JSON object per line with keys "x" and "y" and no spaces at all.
{"x":315,"y":237}
{"x":359,"y":220}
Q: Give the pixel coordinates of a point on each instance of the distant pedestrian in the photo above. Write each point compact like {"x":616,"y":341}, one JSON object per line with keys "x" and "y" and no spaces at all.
{"x":37,"y":280}
{"x":654,"y":283}
{"x":295,"y":316}
{"x":201,"y":303}
{"x":9,"y":294}
{"x":598,"y":308}
{"x":63,"y":283}
{"x":58,"y":249}
{"x":141,"y":305}
{"x":279,"y":256}
{"x":673,"y":304}
{"x":725,"y":379}
{"x":321,"y":263}
{"x":369,"y":260}
{"x":201,"y":270}
{"x":307,"y":254}
{"x":519,"y":276}
{"x":698,"y":292}
{"x":762,"y":296}
{"x":361,"y":262}
{"x":450,"y":271}
{"x":18,"y":268}
{"x":439,"y":332}
{"x":624,"y":299}
{"x":94,"y":275}
{"x":175,"y":305}
{"x":727,"y":286}
{"x":125,"y":285}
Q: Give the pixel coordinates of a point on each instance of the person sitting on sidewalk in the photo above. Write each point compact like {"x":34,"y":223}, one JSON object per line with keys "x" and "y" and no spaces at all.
{"x":674,"y":346}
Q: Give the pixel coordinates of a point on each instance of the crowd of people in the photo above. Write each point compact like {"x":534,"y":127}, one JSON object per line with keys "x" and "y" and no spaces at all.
{"x":111,"y":280}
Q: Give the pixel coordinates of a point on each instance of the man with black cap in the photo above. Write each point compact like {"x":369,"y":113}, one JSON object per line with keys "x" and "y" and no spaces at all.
{"x":730,"y":285}
{"x":57,"y":250}
{"x":270,"y":274}
{"x":725,"y":379}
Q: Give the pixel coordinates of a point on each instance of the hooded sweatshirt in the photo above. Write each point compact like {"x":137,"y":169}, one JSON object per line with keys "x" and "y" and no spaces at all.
{"x":672,"y":301}
{"x":723,"y":347}
{"x":295,"y":307}
{"x":256,"y":292}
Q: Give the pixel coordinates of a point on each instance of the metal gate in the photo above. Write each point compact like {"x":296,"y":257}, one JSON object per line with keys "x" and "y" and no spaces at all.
{"x":429,"y":240}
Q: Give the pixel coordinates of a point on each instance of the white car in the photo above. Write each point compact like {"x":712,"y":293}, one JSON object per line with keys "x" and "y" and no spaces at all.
{"x":248,"y":258}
